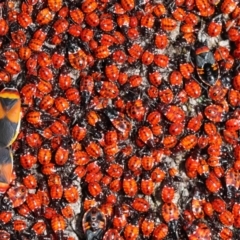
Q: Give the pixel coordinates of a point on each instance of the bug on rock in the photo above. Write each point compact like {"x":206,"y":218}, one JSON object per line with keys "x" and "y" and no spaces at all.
{"x":207,"y":67}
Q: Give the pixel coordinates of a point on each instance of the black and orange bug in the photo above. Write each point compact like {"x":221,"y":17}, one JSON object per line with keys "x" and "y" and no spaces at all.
{"x":6,"y":172}
{"x":207,"y":67}
{"x":94,"y":223}
{"x":10,"y":115}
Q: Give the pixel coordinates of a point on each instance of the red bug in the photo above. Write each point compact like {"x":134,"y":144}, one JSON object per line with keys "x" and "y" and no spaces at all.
{"x":217,"y":92}
{"x":17,"y":195}
{"x":159,"y":10}
{"x":60,"y":26}
{"x":77,"y":57}
{"x":147,"y":185}
{"x":131,"y":231}
{"x":147,"y":57}
{"x":39,"y":228}
{"x":228,"y":6}
{"x":19,"y":225}
{"x":214,"y":113}
{"x":170,"y":212}
{"x":112,"y":234}
{"x":160,"y":231}
{"x":58,"y":224}
{"x":176,"y":129}
{"x":146,"y":135}
{"x":71,"y":194}
{"x":24,"y":20}
{"x":94,"y":189}
{"x":186,"y":70}
{"x":4,"y":27}
{"x":169,"y":141}
{"x":135,"y":50}
{"x":147,"y":225}
{"x":168,"y":24}
{"x":67,"y":212}
{"x":215,"y":27}
{"x":161,"y":60}
{"x":55,"y":5}
{"x":195,"y":123}
{"x":129,"y":185}
{"x":225,"y":233}
{"x":193,"y":89}
{"x":167,"y":192}
{"x":44,"y":17}
{"x":134,"y":163}
{"x":127,"y":5}
{"x":161,"y":40}
{"x":27,"y":160}
{"x":226,"y":218}
{"x":140,"y":205}
{"x":92,"y":19}
{"x":178,"y":13}
{"x":176,"y":79}
{"x":213,"y":184}
{"x":173,"y":113}
{"x":5,"y":217}
{"x":208,"y":209}
{"x":112,"y":72}
{"x":34,"y":203}
{"x":107,"y":89}
{"x":102,"y":52}
{"x":30,"y":181}
{"x":119,"y":219}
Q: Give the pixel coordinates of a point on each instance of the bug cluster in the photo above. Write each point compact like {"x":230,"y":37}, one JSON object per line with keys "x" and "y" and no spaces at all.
{"x":130,"y":119}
